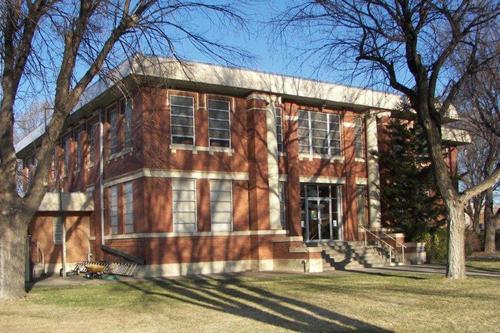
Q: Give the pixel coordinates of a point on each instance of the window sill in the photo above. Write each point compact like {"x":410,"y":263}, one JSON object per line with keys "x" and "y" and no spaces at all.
{"x":358,"y":159}
{"x":196,"y":149}
{"x":311,"y":157}
{"x":120,"y":154}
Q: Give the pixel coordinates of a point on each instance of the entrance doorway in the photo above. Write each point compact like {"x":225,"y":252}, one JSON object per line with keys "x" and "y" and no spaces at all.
{"x":320,"y":218}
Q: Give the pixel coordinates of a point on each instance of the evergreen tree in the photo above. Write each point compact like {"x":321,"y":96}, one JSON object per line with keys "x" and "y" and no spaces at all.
{"x":409,"y":196}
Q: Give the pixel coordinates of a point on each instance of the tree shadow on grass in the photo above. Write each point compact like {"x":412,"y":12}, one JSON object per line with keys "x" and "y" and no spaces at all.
{"x":233,"y":296}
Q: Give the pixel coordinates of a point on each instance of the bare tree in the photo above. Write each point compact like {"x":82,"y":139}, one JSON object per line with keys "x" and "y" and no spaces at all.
{"x":409,"y":45}
{"x":65,"y":45}
{"x":478,"y":105}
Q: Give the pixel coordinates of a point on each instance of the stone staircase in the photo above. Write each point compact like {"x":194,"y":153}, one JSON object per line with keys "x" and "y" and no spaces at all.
{"x":351,"y":255}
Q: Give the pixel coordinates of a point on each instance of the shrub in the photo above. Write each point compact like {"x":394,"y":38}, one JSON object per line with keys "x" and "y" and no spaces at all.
{"x":436,"y":245}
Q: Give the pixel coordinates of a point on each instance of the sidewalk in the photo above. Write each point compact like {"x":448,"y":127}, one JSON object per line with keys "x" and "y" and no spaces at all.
{"x":426,"y":269}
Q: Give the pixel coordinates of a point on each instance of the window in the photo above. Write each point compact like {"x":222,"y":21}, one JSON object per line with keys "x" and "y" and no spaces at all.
{"x":219,"y":129}
{"x":319,"y":133}
{"x":58,"y":230}
{"x":282,"y":194}
{"x":279,"y":128}
{"x":92,"y":131}
{"x":182,"y":119}
{"x":113,"y":209}
{"x":128,"y":124}
{"x":113,"y":130}
{"x":67,"y":155}
{"x":359,"y":147}
{"x":79,"y":148}
{"x":221,"y":208}
{"x":128,"y":203}
{"x":362,"y":204}
{"x":184,"y":205}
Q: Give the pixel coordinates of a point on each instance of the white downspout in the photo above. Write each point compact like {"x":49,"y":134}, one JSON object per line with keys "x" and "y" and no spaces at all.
{"x":101,"y":172}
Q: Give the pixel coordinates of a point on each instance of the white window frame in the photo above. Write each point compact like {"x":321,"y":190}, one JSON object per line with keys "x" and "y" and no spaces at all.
{"x":115,"y":227}
{"x":177,"y":186}
{"x":57,"y":223}
{"x":128,"y":207}
{"x":310,"y":130}
{"x":113,"y":130}
{"x":172,"y":135}
{"x":358,"y":138}
{"x":210,"y":138}
{"x":221,"y":226}
{"x":278,"y":117}
{"x":127,"y":126}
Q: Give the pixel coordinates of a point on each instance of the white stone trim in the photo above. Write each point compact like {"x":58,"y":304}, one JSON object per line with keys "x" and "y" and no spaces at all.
{"x":311,"y":157}
{"x":291,"y":118}
{"x":283,"y":178}
{"x":273,"y":166}
{"x":206,"y":267}
{"x":196,"y":234}
{"x":194,"y":174}
{"x":373,"y":171}
{"x":322,"y":179}
{"x":361,"y":181}
{"x":349,"y":124}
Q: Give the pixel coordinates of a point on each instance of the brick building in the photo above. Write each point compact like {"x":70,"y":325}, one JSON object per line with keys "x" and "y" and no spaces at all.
{"x":203,"y":168}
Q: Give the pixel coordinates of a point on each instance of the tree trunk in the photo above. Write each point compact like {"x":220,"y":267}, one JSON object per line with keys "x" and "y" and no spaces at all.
{"x":12,"y":257}
{"x":456,"y":241}
{"x":489,"y":223}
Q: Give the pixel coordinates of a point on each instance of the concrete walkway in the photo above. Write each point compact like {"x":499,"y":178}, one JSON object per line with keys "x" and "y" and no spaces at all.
{"x":425,"y":269}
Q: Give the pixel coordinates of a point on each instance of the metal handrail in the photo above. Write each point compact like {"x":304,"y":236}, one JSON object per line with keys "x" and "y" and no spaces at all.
{"x":391,"y":248}
{"x":403,"y":247}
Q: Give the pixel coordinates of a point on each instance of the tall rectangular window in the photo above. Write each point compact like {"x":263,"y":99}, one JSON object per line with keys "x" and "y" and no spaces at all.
{"x":113,"y":209}
{"x":221,"y":207}
{"x":184,"y":205}
{"x":58,"y":230}
{"x":92,"y":132}
{"x":279,"y":128}
{"x":362,"y":204}
{"x":79,"y":148}
{"x":219,"y":128}
{"x":282,"y":194}
{"x":359,"y":147}
{"x":319,"y":133}
{"x":67,"y":155}
{"x":128,"y":203}
{"x":182,"y":119}
{"x":128,"y":124}
{"x":113,"y":130}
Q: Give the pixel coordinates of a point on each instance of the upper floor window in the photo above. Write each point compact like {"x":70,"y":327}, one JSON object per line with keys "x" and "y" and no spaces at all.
{"x":279,"y":128}
{"x":127,"y":111}
{"x":113,"y":129}
{"x":113,"y":209}
{"x":92,"y":132}
{"x":79,"y":148}
{"x":359,"y":147}
{"x":221,"y":208}
{"x":182,"y":119}
{"x":128,"y":203}
{"x":319,"y":133}
{"x":219,"y":129}
{"x":67,"y":154}
{"x":184,"y":205}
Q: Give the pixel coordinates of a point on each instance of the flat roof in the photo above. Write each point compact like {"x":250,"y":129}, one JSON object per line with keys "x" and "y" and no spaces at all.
{"x":171,"y":70}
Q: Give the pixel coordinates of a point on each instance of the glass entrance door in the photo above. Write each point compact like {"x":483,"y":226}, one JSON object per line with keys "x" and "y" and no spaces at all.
{"x":320,"y":212}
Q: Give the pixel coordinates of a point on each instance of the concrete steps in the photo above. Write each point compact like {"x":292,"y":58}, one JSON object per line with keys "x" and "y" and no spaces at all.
{"x":352,"y":255}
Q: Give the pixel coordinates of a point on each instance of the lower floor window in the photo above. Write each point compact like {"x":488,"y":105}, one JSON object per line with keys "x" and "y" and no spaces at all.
{"x":221,"y":209}
{"x":282,"y":194}
{"x":128,"y":203}
{"x":58,"y":230}
{"x":184,"y":205}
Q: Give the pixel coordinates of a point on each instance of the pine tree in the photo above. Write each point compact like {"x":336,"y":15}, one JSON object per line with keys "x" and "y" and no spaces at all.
{"x":409,"y":196}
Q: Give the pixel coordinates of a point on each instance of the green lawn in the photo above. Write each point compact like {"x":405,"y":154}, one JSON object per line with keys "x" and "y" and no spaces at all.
{"x":263,"y":302}
{"x":490,"y":265}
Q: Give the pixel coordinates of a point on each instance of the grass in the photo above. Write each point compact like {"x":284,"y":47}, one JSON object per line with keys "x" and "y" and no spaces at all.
{"x":263,"y":302}
{"x":490,"y":265}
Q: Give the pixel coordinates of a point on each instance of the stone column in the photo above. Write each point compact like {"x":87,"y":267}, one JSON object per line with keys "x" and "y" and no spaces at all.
{"x":273,"y":163}
{"x":373,"y":170}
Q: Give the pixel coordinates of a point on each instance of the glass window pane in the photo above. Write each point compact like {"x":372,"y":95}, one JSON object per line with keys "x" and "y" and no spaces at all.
{"x":181,"y":101}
